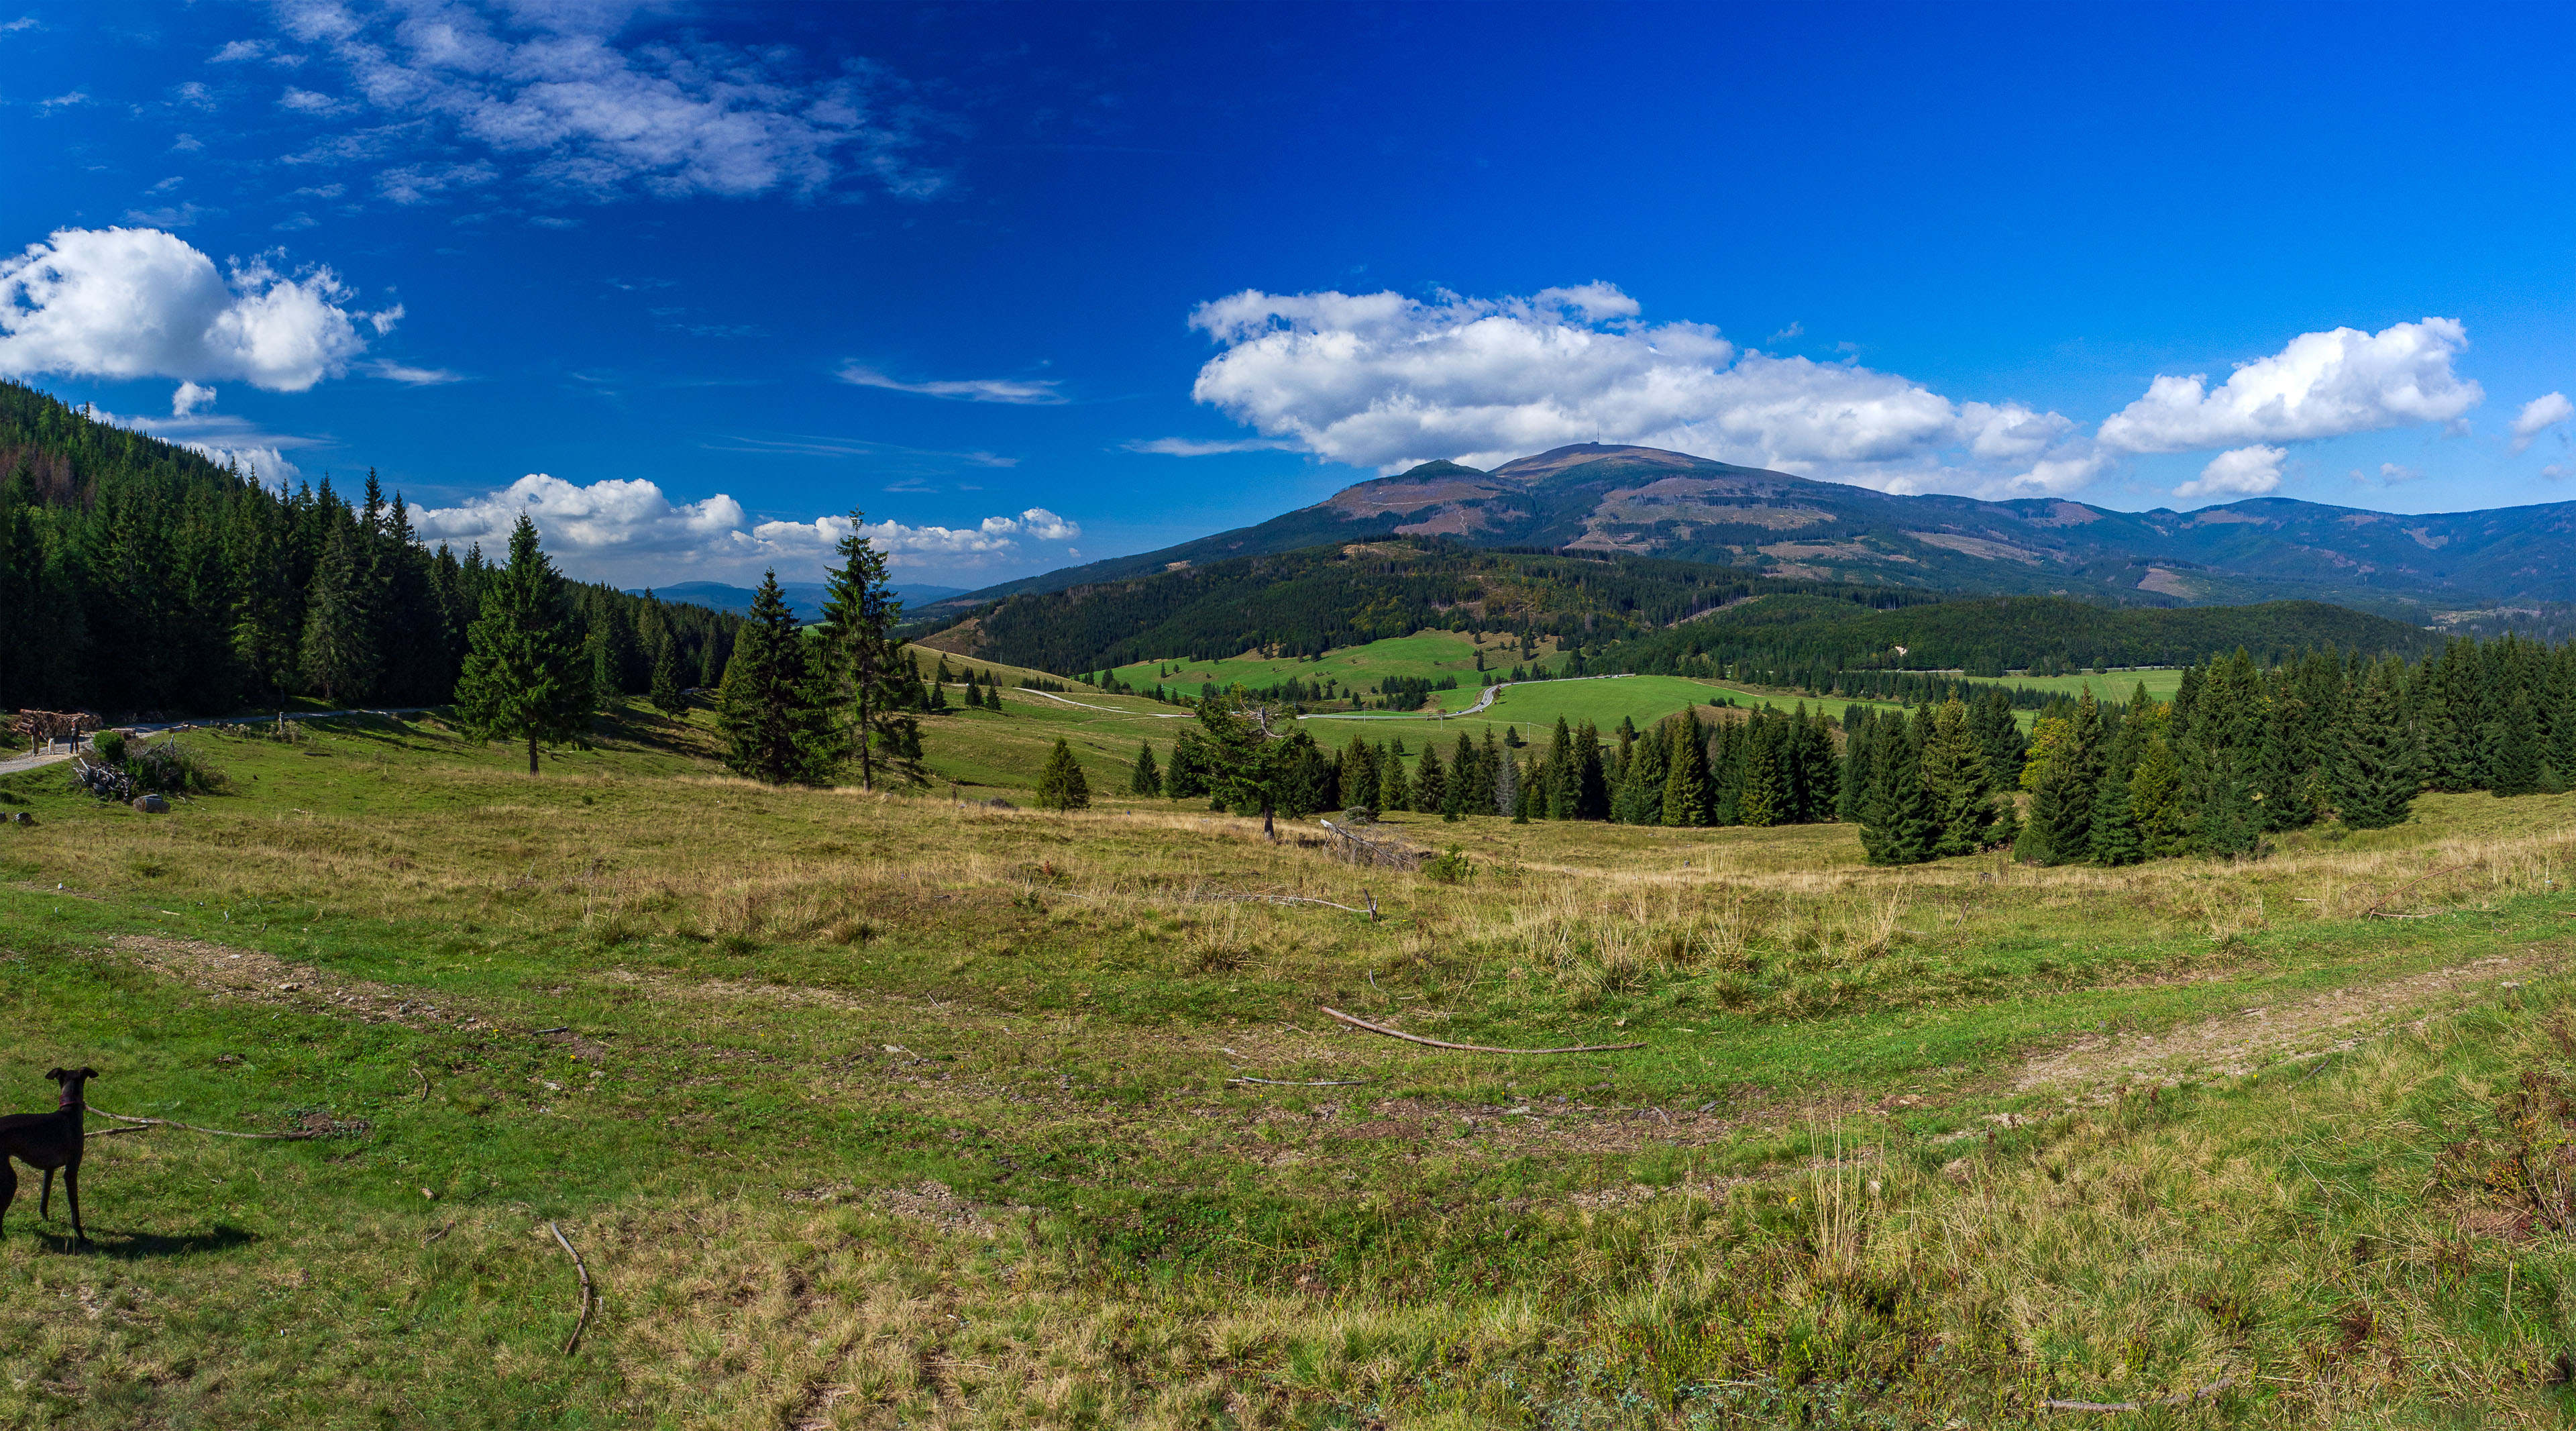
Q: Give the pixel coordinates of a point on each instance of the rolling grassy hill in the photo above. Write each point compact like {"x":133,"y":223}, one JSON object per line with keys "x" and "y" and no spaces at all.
{"x":873,"y":1110}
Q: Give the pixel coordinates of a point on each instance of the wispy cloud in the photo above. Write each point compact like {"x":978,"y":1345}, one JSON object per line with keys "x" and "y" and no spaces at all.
{"x":559,"y":93}
{"x":392,"y":371}
{"x":1019,"y":391}
{"x":1193,"y":447}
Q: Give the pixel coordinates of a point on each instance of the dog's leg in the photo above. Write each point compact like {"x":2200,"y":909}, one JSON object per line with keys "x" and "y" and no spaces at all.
{"x":8,"y":1189}
{"x":71,"y":1190}
{"x":45,"y":1198}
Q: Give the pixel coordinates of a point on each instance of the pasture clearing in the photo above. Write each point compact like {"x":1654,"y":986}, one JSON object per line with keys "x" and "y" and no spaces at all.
{"x":870,"y":1110}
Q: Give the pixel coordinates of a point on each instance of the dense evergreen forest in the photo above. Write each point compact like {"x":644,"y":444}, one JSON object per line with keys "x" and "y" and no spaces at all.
{"x":1308,"y":602}
{"x":1618,"y":613}
{"x":136,"y":576}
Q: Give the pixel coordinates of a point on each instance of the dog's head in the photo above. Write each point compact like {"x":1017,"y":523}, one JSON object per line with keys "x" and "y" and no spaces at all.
{"x":71,"y":1079}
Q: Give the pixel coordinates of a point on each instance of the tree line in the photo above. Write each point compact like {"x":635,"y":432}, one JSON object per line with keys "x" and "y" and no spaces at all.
{"x":141,"y":576}
{"x":2244,"y":750}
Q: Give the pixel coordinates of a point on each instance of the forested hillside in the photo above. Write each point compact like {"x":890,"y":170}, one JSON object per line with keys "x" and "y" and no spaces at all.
{"x":1623,"y":613}
{"x":138,"y":576}
{"x":1305,"y":602}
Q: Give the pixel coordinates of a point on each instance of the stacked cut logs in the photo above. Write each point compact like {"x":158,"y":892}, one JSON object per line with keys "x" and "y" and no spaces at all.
{"x":41,"y":727}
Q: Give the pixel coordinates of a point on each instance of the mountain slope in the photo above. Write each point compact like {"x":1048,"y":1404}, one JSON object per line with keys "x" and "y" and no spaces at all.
{"x":1648,"y":502}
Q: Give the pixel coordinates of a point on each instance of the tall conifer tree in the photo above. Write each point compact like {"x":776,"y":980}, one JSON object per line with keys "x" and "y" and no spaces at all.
{"x":527,"y":676}
{"x":775,"y":716}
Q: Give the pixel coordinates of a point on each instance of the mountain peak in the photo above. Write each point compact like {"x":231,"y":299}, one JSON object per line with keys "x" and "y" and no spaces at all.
{"x":1555,"y":460}
{"x":1441,"y":468}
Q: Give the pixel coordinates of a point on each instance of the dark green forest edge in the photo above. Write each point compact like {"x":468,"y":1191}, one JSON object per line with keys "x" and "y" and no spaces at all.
{"x":139,"y":579}
{"x":1637,"y":614}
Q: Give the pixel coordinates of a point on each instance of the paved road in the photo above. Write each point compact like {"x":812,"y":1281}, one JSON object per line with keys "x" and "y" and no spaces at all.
{"x":1478,"y":708}
{"x":56,"y":757}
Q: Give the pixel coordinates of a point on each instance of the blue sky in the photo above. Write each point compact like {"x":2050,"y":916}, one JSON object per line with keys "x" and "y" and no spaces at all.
{"x":1030,"y":282}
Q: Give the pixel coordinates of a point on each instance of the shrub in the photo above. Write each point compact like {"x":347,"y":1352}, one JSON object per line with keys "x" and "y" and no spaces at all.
{"x":175,"y":768}
{"x":1450,"y":866}
{"x":109,"y":745}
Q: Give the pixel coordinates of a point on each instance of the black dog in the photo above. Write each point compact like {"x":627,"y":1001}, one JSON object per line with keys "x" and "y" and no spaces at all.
{"x":48,"y":1141}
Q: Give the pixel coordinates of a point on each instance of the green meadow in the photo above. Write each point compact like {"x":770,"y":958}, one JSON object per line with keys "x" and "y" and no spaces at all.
{"x":874,"y":1109}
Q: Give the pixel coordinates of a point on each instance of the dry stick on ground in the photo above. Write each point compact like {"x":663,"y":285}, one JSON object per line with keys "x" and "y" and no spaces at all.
{"x":442,"y":1232}
{"x":112,"y":1132}
{"x":1360,"y":1023}
{"x":2179,"y":1398}
{"x":572,"y":1345}
{"x":193,"y":1128}
{"x":2373,"y":911}
{"x":423,"y":1095}
{"x":1307,"y":1083}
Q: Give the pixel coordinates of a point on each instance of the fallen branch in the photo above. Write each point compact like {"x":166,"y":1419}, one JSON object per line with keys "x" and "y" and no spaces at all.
{"x":193,"y":1128}
{"x":423,"y":1095}
{"x":1308,"y":1083}
{"x":2372,"y":912}
{"x":1289,"y":899}
{"x":577,"y":1327}
{"x":541,"y":1033}
{"x":1360,"y":1023}
{"x":112,"y":1132}
{"x":2180,"y":1398}
{"x":442,"y":1232}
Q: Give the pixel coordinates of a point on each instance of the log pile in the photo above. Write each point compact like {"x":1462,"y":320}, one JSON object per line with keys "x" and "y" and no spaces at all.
{"x":42,"y":727}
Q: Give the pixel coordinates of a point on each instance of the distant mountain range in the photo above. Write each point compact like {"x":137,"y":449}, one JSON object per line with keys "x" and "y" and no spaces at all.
{"x":805,"y":598}
{"x":1646,"y":501}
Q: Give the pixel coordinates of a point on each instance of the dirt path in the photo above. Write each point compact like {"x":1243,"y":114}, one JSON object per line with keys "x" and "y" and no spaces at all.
{"x":2240,"y":1043}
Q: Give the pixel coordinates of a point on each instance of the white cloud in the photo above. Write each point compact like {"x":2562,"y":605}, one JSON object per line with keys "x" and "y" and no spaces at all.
{"x":130,"y":303}
{"x":72,"y":100}
{"x":1192,"y":447}
{"x":550,"y":85}
{"x":1005,"y":390}
{"x":165,"y":217}
{"x":23,"y":22}
{"x":1381,"y":380}
{"x":2538,"y":416}
{"x":2319,"y":385}
{"x":2245,"y":472}
{"x":229,"y":441}
{"x":627,"y":528}
{"x":419,"y":183}
{"x":392,"y":371}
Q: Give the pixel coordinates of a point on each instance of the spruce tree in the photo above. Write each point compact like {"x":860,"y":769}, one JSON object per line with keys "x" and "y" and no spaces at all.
{"x":2156,"y":805}
{"x":527,"y":676}
{"x":861,"y":665}
{"x":775,"y":713}
{"x":1394,"y":789}
{"x":1688,"y":799}
{"x":340,"y":657}
{"x":1147,"y":781}
{"x":665,"y":691}
{"x":1954,"y":776}
{"x":1061,"y":785}
{"x":1591,"y":780}
{"x":1430,"y":782}
{"x":2115,"y":830}
{"x":2513,"y":748}
{"x":1507,"y":783}
{"x":2375,"y":777}
{"x":1763,"y":797}
{"x":1187,"y":776}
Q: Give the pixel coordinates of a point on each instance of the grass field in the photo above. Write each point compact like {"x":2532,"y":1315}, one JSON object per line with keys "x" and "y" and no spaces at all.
{"x":1428,"y":655}
{"x":872,"y":1111}
{"x":2161,"y":683}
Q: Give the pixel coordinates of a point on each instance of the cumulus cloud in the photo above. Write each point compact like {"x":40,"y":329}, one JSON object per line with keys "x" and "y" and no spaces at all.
{"x":552,"y":87}
{"x":2319,"y":385}
{"x":2245,"y":472}
{"x":226,"y":441}
{"x":1022,"y":391}
{"x":1382,"y":380}
{"x":132,"y":303}
{"x":628,"y":528}
{"x":2538,"y":416}
{"x":1193,"y":447}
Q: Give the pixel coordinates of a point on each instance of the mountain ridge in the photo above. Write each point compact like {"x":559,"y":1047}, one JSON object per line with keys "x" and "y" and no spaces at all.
{"x":1652,"y":502}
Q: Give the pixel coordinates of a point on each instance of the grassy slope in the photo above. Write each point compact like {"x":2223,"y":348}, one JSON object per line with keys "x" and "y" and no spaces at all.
{"x":1429,"y":655}
{"x":868,"y":1108}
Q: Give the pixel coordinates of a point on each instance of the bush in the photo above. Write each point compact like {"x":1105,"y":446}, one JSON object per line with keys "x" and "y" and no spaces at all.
{"x":1359,"y":815}
{"x":109,"y":745}
{"x":1450,"y":866}
{"x":174,"y":768}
